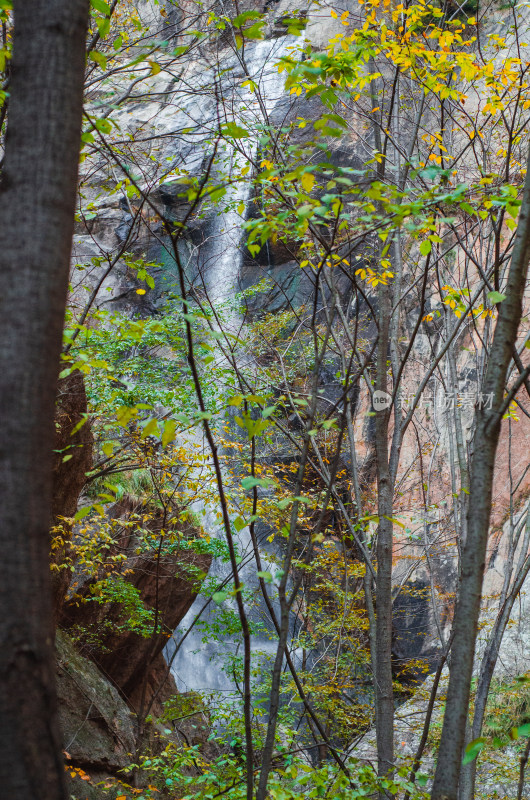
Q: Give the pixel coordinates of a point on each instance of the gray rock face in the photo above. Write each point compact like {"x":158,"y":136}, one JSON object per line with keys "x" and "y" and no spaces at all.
{"x":97,"y":725}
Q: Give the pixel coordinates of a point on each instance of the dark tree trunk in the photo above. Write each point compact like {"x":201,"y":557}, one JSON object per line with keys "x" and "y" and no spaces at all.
{"x":37,"y":203}
{"x":485,"y":441}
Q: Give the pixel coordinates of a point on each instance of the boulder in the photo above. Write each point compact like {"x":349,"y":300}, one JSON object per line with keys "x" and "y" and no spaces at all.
{"x":97,"y":725}
{"x":157,"y":687}
{"x":166,"y":582}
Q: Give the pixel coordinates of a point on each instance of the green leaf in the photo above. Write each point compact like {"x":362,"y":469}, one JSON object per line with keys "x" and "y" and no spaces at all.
{"x":83,"y":512}
{"x":395,"y":521}
{"x":337,"y":119}
{"x":255,"y":31}
{"x":234,"y":130}
{"x":101,"y":6}
{"x":496,"y":297}
{"x":426,"y":247}
{"x":328,"y":423}
{"x":497,"y":742}
{"x":169,"y":432}
{"x":369,"y":518}
{"x":295,"y":25}
{"x":103,"y":26}
{"x":267,"y":576}
{"x":473,"y":749}
{"x":108,"y":448}
{"x":524,"y":730}
{"x":250,"y":482}
{"x":118,"y":41}
{"x":150,"y":429}
{"x":124,"y":414}
{"x":219,"y":597}
{"x":79,"y":425}
{"x":103,"y":125}
{"x":99,"y":58}
{"x":245,"y":17}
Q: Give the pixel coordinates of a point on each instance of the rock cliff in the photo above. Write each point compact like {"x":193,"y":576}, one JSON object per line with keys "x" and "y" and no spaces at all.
{"x":113,"y":678}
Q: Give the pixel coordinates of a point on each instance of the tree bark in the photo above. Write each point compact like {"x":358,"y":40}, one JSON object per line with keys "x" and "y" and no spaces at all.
{"x":489,"y":660}
{"x":485,"y":441}
{"x":37,"y":204}
{"x":384,"y":695}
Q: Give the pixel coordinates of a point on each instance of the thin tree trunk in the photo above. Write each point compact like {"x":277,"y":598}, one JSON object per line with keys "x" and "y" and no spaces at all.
{"x":383,"y":666}
{"x":37,"y":204}
{"x":489,"y":660}
{"x":522,"y":767}
{"x":485,"y":441}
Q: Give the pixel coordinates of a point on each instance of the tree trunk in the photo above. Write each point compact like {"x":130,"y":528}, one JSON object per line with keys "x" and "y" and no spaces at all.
{"x":485,"y":441}
{"x":37,"y":204}
{"x":489,"y":660}
{"x":384,"y":695}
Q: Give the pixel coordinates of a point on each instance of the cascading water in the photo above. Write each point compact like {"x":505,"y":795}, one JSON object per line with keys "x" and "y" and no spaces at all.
{"x":197,"y":663}
{"x":220,"y":261}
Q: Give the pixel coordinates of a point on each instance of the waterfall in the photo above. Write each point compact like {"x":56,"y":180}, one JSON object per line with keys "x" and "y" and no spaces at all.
{"x":220,"y":260}
{"x":196,"y":666}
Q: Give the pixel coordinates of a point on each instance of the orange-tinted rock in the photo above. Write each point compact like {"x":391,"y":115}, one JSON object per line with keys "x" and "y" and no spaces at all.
{"x":166,"y":582}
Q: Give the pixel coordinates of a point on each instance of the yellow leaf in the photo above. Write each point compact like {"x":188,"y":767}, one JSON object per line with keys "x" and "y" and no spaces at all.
{"x":307,"y":181}
{"x":138,"y":291}
{"x":155,"y":68}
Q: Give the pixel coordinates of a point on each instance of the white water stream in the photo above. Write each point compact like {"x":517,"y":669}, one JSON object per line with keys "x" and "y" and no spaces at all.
{"x":198,"y":662}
